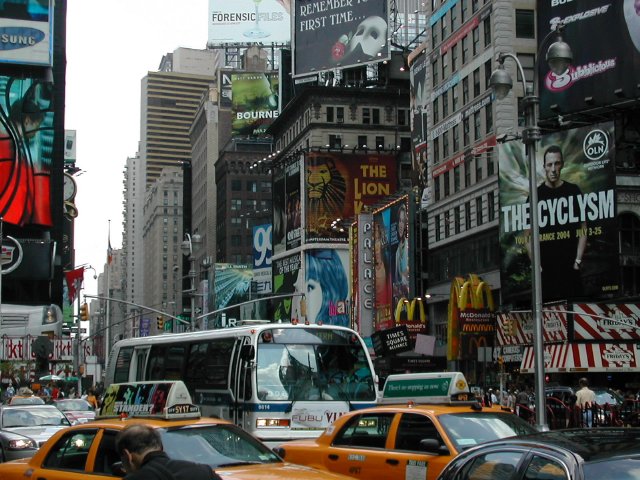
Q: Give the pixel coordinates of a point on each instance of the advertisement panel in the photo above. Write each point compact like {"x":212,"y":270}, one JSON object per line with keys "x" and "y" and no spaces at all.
{"x":279,"y":232}
{"x":516,"y":328}
{"x":232,"y":285}
{"x":287,"y":210}
{"x":26,"y":151}
{"x":26,"y":32}
{"x":365,"y":268}
{"x":576,"y":210}
{"x":382,"y":253}
{"x":326,"y":287}
{"x":249,"y":21}
{"x":285,"y":275}
{"x":262,"y":252}
{"x":606,"y":322}
{"x":339,"y":185}
{"x":604,"y":72}
{"x":338,"y":34}
{"x":584,"y":357}
{"x":254,"y":102}
{"x":419,"y":99}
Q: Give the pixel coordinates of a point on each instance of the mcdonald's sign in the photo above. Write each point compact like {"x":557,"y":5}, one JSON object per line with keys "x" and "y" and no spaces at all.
{"x":470,"y":312}
{"x":408,"y":307}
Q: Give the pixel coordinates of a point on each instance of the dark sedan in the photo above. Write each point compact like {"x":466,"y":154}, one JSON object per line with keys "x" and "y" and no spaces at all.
{"x":573,"y":454}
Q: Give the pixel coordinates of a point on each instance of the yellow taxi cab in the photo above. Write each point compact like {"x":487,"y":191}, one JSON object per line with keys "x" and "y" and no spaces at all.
{"x":87,"y":450}
{"x":422,"y":422}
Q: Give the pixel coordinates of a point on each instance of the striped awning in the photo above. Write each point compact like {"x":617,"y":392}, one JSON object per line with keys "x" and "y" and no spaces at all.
{"x":582,"y":357}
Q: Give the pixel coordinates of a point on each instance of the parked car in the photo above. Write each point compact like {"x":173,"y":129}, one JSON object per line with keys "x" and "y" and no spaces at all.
{"x":25,"y":400}
{"x":412,"y":439}
{"x":604,"y":395}
{"x":574,"y":454}
{"x":87,"y":450}
{"x":23,"y":428}
{"x":77,"y":410}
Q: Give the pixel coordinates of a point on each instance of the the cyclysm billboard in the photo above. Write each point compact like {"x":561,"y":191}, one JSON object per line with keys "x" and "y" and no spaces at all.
{"x":602,"y":72}
{"x":576,"y":213}
{"x":332,"y":34}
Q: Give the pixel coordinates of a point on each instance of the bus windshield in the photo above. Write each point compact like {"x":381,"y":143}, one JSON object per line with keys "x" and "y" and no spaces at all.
{"x":312,"y":367}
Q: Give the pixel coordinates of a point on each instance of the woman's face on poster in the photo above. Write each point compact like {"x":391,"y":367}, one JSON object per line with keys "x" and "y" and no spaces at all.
{"x":313,"y":299}
{"x":402,"y":223}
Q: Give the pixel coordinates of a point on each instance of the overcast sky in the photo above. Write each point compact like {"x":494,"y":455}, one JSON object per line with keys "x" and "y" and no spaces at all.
{"x":110,"y":47}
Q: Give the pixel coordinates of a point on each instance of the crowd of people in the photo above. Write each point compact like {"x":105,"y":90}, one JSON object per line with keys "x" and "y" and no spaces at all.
{"x":51,"y":392}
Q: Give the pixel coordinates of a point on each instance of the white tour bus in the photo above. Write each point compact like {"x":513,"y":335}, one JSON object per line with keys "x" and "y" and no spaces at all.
{"x":34,"y":320}
{"x":276,"y":381}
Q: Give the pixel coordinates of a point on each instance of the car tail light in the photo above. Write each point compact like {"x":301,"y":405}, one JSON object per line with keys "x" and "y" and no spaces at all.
{"x":273,"y":423}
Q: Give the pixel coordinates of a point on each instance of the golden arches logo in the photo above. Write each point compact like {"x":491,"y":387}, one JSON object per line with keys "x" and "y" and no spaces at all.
{"x":470,"y":293}
{"x":409,"y":306}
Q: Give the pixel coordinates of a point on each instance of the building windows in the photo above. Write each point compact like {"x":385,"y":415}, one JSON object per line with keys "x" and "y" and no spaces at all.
{"x":447,"y":224}
{"x":252,"y":186}
{"x":445,"y":145}
{"x":465,"y":49}
{"x":434,"y":35}
{"x":236,"y":185}
{"x":465,"y":90}
{"x":436,"y":150}
{"x":236,"y":204}
{"x":447,"y":187}
{"x":476,"y":82}
{"x":456,"y":98}
{"x":329,"y":114}
{"x":456,"y":179}
{"x":477,"y":130}
{"x":487,"y":74}
{"x":236,"y":240}
{"x":445,"y":104}
{"x":436,"y":114}
{"x":444,"y":65}
{"x":454,"y":58}
{"x":362,"y":141}
{"x":488,"y":117}
{"x":475,"y":5}
{"x":491,"y":163}
{"x":525,"y":24}
{"x":467,"y":172}
{"x":463,"y":11}
{"x":335,"y":141}
{"x":236,"y":221}
{"x":479,"y":211}
{"x":456,"y":220}
{"x":454,"y":19}
{"x":366,"y":116}
{"x":478,"y":168}
{"x":465,"y":132}
{"x":491,"y":208}
{"x":434,"y":72}
{"x":487,"y":31}
{"x":379,"y":142}
{"x":436,"y":188}
{"x":437,"y":228}
{"x":528,"y":62}
{"x":467,"y":216}
{"x":475,"y":35}
{"x":340,"y":114}
{"x":456,"y":138}
{"x":375,"y":113}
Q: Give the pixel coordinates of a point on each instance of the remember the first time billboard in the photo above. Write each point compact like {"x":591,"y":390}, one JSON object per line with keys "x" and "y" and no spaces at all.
{"x":332,"y":34}
{"x":603,"y":71}
{"x":576,"y":215}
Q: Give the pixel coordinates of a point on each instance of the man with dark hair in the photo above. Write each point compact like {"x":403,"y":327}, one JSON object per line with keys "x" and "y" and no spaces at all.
{"x":561,"y":248}
{"x":140,"y":448}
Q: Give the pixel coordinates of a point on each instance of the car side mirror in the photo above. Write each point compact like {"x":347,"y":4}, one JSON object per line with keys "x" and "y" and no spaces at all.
{"x":431,"y":445}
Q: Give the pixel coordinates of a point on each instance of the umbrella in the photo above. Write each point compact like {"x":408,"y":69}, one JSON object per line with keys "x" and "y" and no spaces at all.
{"x":52,"y":378}
{"x":70,"y":379}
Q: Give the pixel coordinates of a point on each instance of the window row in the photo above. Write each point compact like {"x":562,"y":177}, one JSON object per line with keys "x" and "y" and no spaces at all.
{"x":474,"y":169}
{"x":462,"y":218}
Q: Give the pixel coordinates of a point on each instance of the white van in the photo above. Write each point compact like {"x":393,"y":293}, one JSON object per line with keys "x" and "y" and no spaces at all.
{"x":34,"y":320}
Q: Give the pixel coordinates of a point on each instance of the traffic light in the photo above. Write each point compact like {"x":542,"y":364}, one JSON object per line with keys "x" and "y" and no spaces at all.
{"x":160,"y":322}
{"x":84,"y":312}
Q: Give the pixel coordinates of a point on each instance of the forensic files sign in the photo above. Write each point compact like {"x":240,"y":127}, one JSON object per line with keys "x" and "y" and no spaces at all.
{"x":332,"y":34}
{"x":576,"y":213}
{"x":248,"y":21}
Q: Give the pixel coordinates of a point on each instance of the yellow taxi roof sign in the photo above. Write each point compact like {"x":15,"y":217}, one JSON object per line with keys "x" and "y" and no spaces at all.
{"x":441,"y":387}
{"x":163,"y":399}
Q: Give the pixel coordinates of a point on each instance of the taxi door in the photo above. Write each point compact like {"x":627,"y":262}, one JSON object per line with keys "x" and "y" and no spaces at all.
{"x":359,"y":450}
{"x":413,"y":461}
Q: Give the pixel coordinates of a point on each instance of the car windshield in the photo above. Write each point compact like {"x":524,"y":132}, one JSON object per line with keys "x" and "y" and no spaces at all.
{"x":468,"y":429}
{"x":32,"y":417}
{"x":607,"y":396}
{"x":216,"y":445}
{"x":73,"y":405}
{"x":618,"y":468}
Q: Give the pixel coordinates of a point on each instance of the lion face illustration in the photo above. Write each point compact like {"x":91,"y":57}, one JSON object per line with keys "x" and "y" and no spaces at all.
{"x":326,"y":188}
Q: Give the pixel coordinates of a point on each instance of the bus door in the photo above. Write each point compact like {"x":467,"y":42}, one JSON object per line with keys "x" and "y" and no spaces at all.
{"x":243,"y":357}
{"x":139,"y":364}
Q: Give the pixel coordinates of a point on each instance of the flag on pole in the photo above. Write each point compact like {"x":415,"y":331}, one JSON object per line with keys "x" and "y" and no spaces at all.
{"x":74,"y":282}
{"x":109,"y":249}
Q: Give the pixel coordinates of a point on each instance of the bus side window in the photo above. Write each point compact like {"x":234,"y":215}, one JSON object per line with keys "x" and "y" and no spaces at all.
{"x":175,"y":361}
{"x":123,"y":361}
{"x":155,"y":365}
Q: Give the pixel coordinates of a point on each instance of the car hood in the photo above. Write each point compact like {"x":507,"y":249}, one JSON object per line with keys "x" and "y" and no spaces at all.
{"x":275,"y":471}
{"x":39,"y":434}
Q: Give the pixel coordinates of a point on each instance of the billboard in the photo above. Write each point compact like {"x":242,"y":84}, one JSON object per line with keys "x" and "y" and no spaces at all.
{"x":285,"y":274}
{"x":326,"y":287}
{"x":576,"y":210}
{"x":26,"y":151}
{"x":338,"y":186}
{"x":287,"y":210}
{"x":382,"y":253}
{"x":604,"y":322}
{"x":262,"y":251}
{"x":26,"y":32}
{"x":419,"y":99}
{"x":232,"y":285}
{"x":249,"y":21}
{"x":603,"y":73}
{"x":338,"y":34}
{"x":254,"y":103}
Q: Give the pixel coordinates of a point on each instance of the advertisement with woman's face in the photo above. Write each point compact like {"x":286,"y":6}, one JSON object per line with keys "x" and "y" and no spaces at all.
{"x":325,"y":286}
{"x":382,"y":251}
{"x":400,"y":258}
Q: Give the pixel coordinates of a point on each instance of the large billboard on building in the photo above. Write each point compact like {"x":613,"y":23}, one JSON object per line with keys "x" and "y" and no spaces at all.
{"x":419,"y":103}
{"x":577,"y":210}
{"x":606,"y":322}
{"x":262,"y":251}
{"x":364,"y":267}
{"x":254,"y":102}
{"x":338,"y":186}
{"x":383,"y":278}
{"x":26,"y":32}
{"x":249,"y":22}
{"x":287,"y":210}
{"x":602,"y":72}
{"x":26,"y":151}
{"x":326,"y":286}
{"x":338,"y":34}
{"x":285,"y":275}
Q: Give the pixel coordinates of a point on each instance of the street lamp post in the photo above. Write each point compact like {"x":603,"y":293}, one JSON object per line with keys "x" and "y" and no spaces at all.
{"x":189,"y":246}
{"x":559,"y":58}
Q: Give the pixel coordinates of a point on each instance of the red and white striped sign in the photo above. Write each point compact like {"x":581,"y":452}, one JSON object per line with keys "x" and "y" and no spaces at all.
{"x":554,"y":326}
{"x":606,"y":322}
{"x":579,"y":357}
